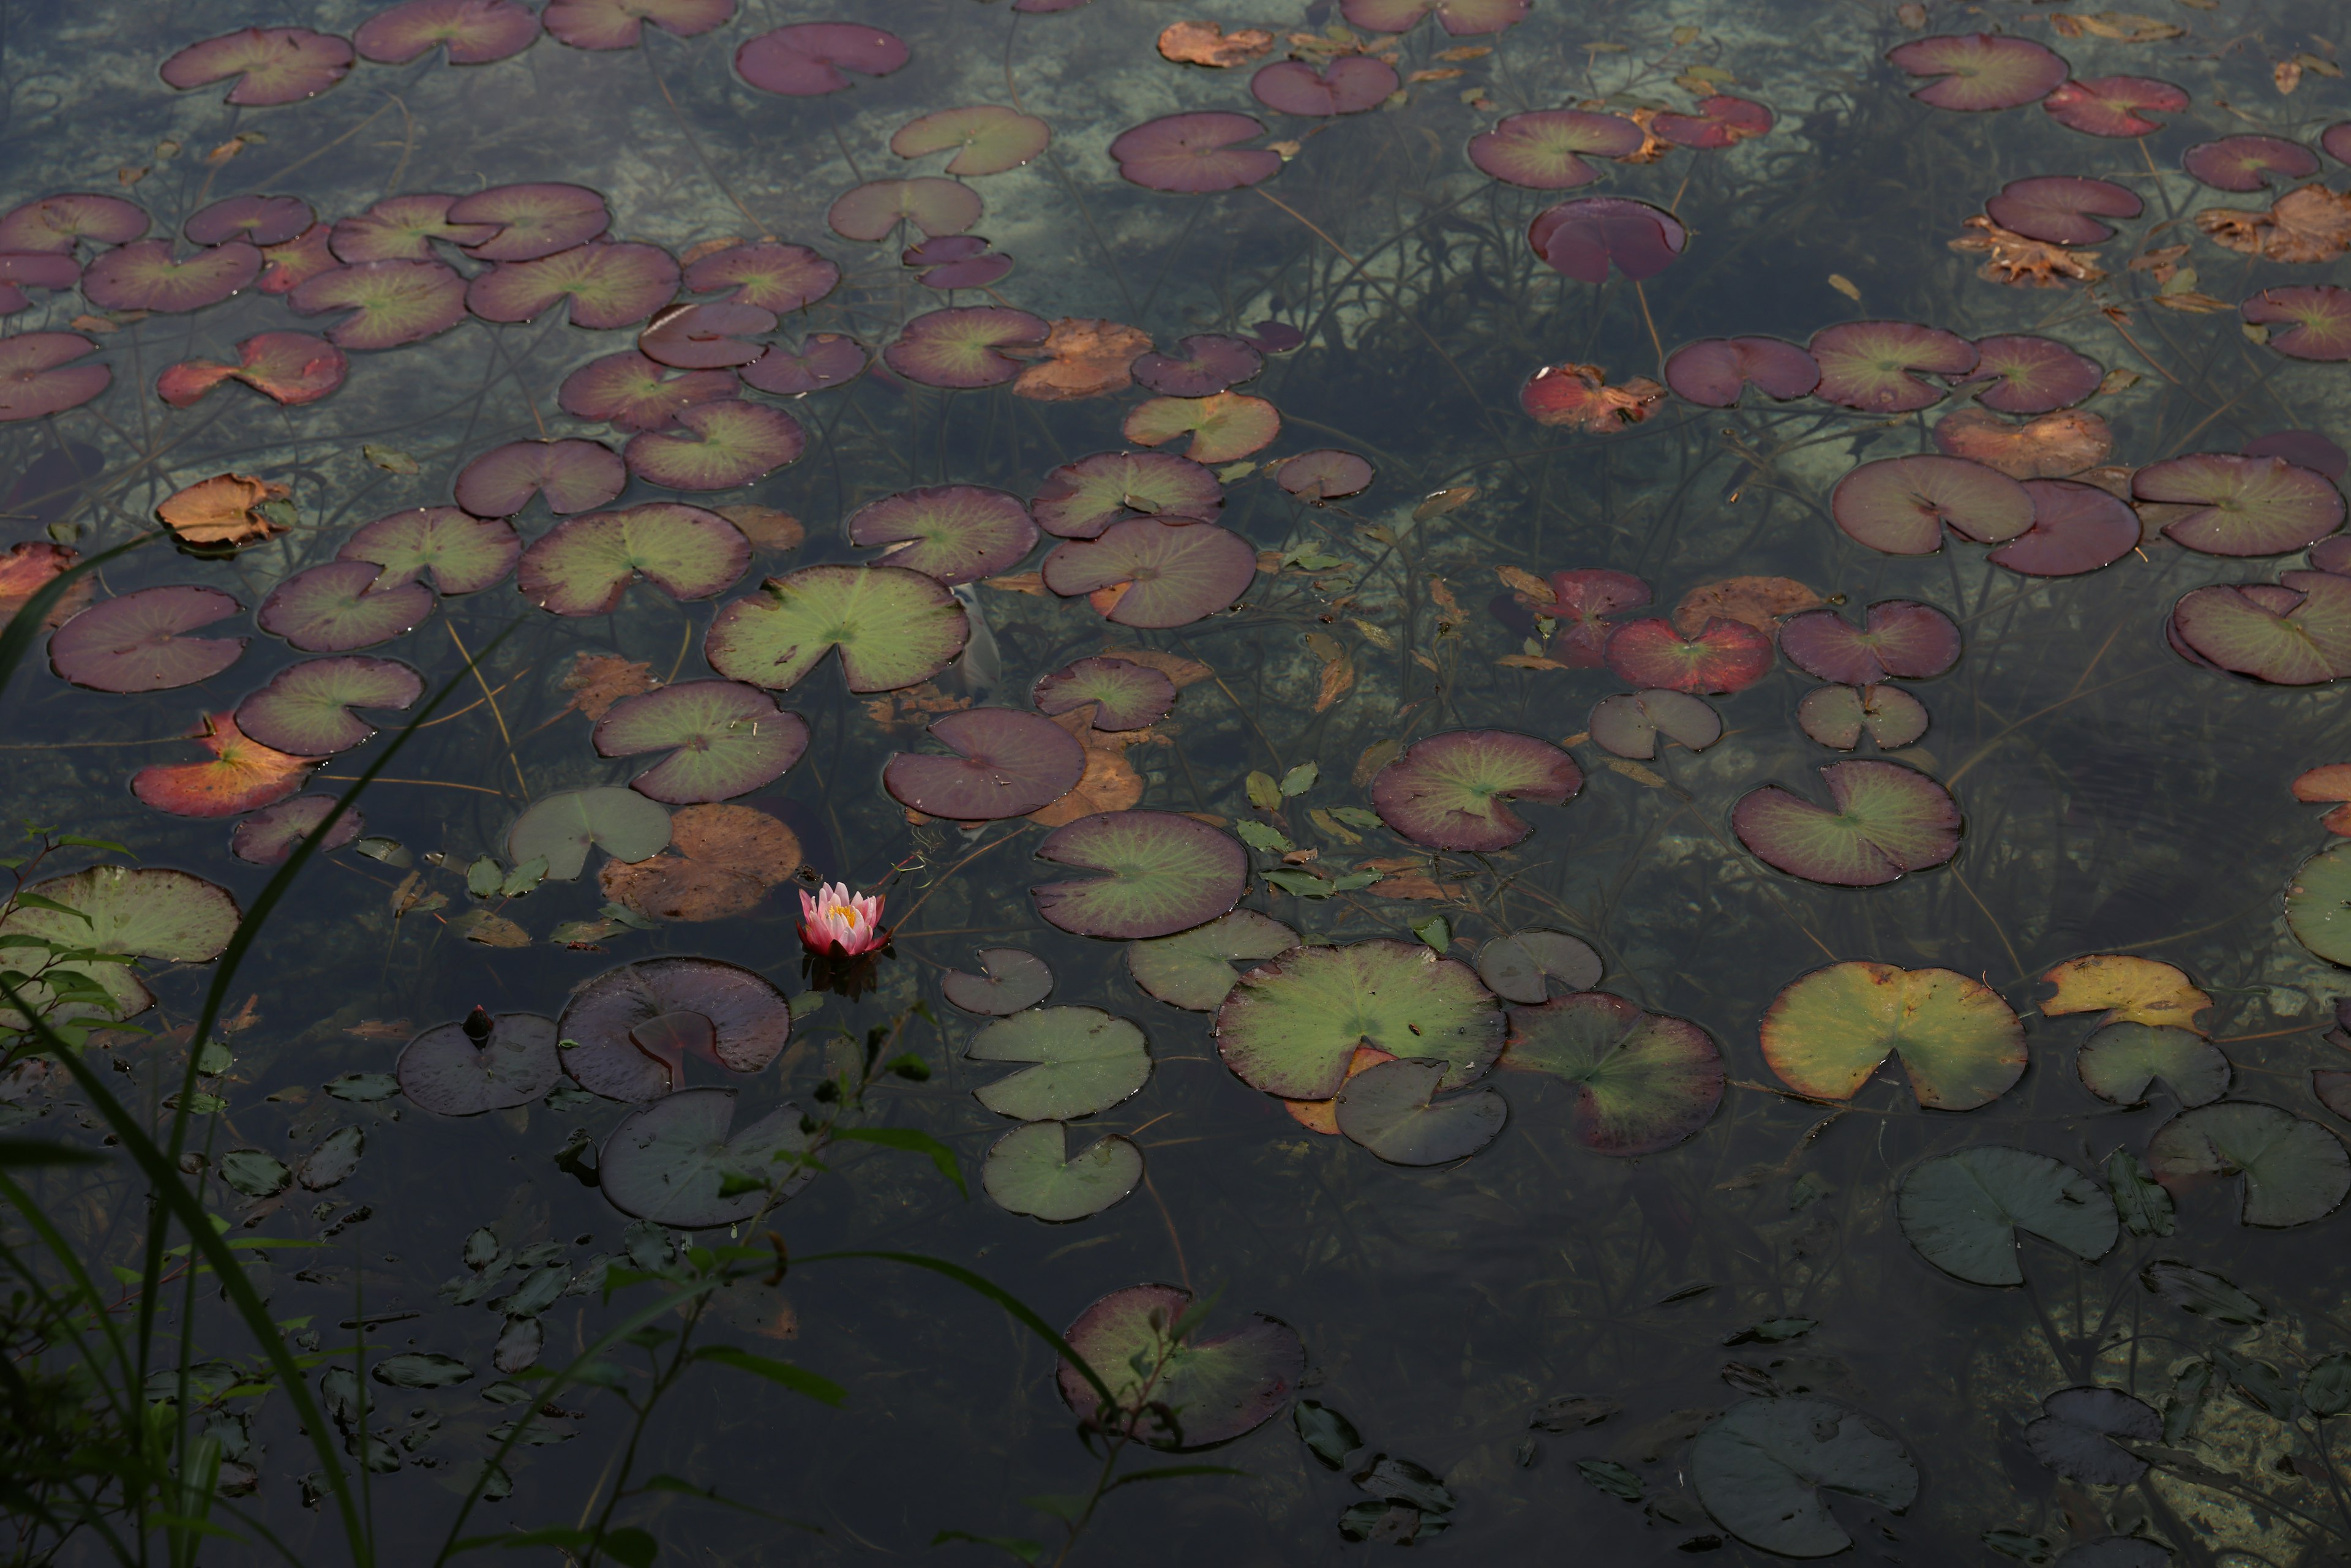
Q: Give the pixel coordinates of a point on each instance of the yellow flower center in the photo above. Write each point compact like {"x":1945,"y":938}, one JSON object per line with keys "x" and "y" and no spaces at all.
{"x":843,"y":912}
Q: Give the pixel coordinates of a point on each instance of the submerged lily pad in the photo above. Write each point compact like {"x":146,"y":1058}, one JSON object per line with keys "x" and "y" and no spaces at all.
{"x":1031,"y":1171}
{"x":337,"y":606}
{"x":1292,"y":1027}
{"x":306,"y":708}
{"x":675,"y":1163}
{"x":145,"y":911}
{"x":1007,"y":763}
{"x":1713,"y":371}
{"x":562,"y":826}
{"x":1450,"y":792}
{"x":1081,"y":1060}
{"x":1837,"y":717}
{"x":1079,"y":500}
{"x":1828,"y":1031}
{"x":1762,"y":1468}
{"x":724,"y":739}
{"x":988,"y":138}
{"x":463,"y":553}
{"x":955,"y":533}
{"x":2296,"y":1170}
{"x":2075,"y":1435}
{"x":269,"y":835}
{"x":1877,"y":366}
{"x":1979,"y":71}
{"x":584,"y":566}
{"x":138,"y":641}
{"x":2118,"y":1062}
{"x":963,"y":346}
{"x":2224,"y":503}
{"x":1724,"y":656}
{"x":1900,"y":506}
{"x":1125,"y":695}
{"x":1903,"y":639}
{"x":806,"y":59}
{"x":2076,"y":529}
{"x":1193,"y":969}
{"x":445,"y":1071}
{"x":1152,"y":573}
{"x":1519,"y":967}
{"x":1194,"y":153}
{"x":391,"y":302}
{"x":1163,"y":873}
{"x":1200,"y":1392}
{"x":1389,"y":1109}
{"x":1349,"y":84}
{"x":1962,"y":1211}
{"x":573,"y":474}
{"x":1644,"y":1081}
{"x":1011,"y":979}
{"x":893,"y":627}
{"x":1580,"y":238}
{"x":630,"y":1022}
{"x":2063,"y":209}
{"x":1629,"y":723}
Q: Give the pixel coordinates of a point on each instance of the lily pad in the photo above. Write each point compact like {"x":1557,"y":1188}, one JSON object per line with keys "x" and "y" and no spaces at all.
{"x":401,"y":228}
{"x":306,"y":708}
{"x":240,"y":775}
{"x":1903,"y":639}
{"x":1978,"y":71}
{"x":1886,"y":819}
{"x":806,"y":59}
{"x":2076,"y":529}
{"x":727,"y":442}
{"x":289,"y":368}
{"x":1838,"y":717}
{"x":584,"y":566}
{"x":1581,"y":238}
{"x":2294,"y":633}
{"x":674,"y":1163}
{"x":2224,"y":503}
{"x":531,"y":221}
{"x":446,"y":1071}
{"x":1081,"y":1060}
{"x":2246,"y":163}
{"x":1828,"y":1031}
{"x":1900,"y":505}
{"x":1629,"y":723}
{"x":2310,"y":322}
{"x":1194,"y":153}
{"x":2031,"y":375}
{"x":1224,"y":426}
{"x":1457,"y":17}
{"x":1349,"y":84}
{"x":476,"y":32}
{"x":269,"y":835}
{"x":336,"y":606}
{"x":936,"y":206}
{"x":256,"y":220}
{"x":1079,"y":500}
{"x":1031,"y":1171}
{"x":53,"y":226}
{"x":894,"y":628}
{"x":1878,"y":367}
{"x":724,"y":739}
{"x":631,"y":1022}
{"x":1721,"y":121}
{"x":1149,"y":572}
{"x":272,"y":65}
{"x":1211,"y":1390}
{"x":2119,"y":1061}
{"x":1326,"y":473}
{"x":2063,"y":209}
{"x":1193,"y":969}
{"x":145,"y":912}
{"x":392,"y":302}
{"x":988,"y":138}
{"x":1724,"y":656}
{"x":1007,"y":763}
{"x":1542,"y":149}
{"x":955,"y":533}
{"x":1009,"y":980}
{"x":562,"y":826}
{"x":963,"y":346}
{"x":1762,"y":1468}
{"x":637,"y":393}
{"x":574,"y":475}
{"x":1127,"y":695}
{"x":1713,"y":371}
{"x":1449,"y":791}
{"x":2114,"y":106}
{"x":607,"y":286}
{"x":2296,"y":1170}
{"x":1388,"y":1109}
{"x":620,"y":24}
{"x":822,"y":359}
{"x":1519,"y":967}
{"x":138,"y":641}
{"x":778,"y":277}
{"x":2319,"y":903}
{"x":1165,"y":873}
{"x":146,"y":275}
{"x":2073,"y":1435}
{"x":1201,"y":365}
{"x":1292,"y":1027}
{"x":1644,"y":1081}
{"x":37,"y":379}
{"x":1962,"y":1211}
{"x":463,"y":553}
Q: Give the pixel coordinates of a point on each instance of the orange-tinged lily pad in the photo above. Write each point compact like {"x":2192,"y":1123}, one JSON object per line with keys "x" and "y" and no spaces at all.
{"x":2309,"y":225}
{"x":1579,"y":397}
{"x":1322,"y":1115}
{"x":2048,"y":447}
{"x":2128,"y":989}
{"x":223,"y":513}
{"x":1224,"y":426}
{"x":241,"y":775}
{"x":2332,"y":782}
{"x":1757,"y":601}
{"x":728,"y":857}
{"x":1206,"y":44}
{"x":30,"y":566}
{"x":1083,"y":357}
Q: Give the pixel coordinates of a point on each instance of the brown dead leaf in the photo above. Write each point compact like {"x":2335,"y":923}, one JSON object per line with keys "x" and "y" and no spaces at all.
{"x":1757,"y":601}
{"x":1531,"y":589}
{"x":1183,"y":672}
{"x":1436,"y":503}
{"x":490,"y":930}
{"x":1338,"y":680}
{"x":1029,"y":582}
{"x":2117,"y":380}
{"x":1439,"y":73}
{"x":1652,"y":146}
{"x":1460,"y":52}
{"x":1580,"y":398}
{"x":1083,"y":357}
{"x":2121,"y":27}
{"x":728,"y":857}
{"x":1409,"y":879}
{"x":1206,"y":44}
{"x":223,"y":512}
{"x":2287,"y":74}
{"x":1529,"y":662}
{"x":1912,"y":16}
{"x":766,"y":528}
{"x":2309,"y":225}
{"x":2022,"y":262}
{"x":913,"y":708}
{"x":1110,"y":783}
{"x":599,"y":680}
{"x":28,"y":567}
{"x":2048,"y":447}
{"x":1634,"y":771}
{"x":1376,"y":756}
{"x":2193,"y":302}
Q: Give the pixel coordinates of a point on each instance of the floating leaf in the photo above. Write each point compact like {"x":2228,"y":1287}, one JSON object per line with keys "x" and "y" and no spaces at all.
{"x":463,"y":553}
{"x":335,"y":607}
{"x":223,"y":514}
{"x":1713,"y":371}
{"x":1079,"y":500}
{"x":401,"y":228}
{"x":1629,"y":723}
{"x":674,"y":1163}
{"x":2118,"y":1062}
{"x":934,"y":205}
{"x":2073,"y":1435}
{"x":894,"y":628}
{"x":1725,"y":656}
{"x":824,"y":360}
{"x":989,"y":139}
{"x":306,"y":708}
{"x":532,"y":221}
{"x":1125,"y":695}
{"x":1009,"y":980}
{"x":287,"y":368}
{"x":2031,"y":375}
{"x":1541,"y":149}
{"x":143,"y":912}
{"x":1388,"y":1109}
{"x":2246,"y":163}
{"x":620,"y":24}
{"x":636,"y":394}
{"x":1962,"y":1211}
{"x":724,"y":739}
{"x":1903,"y":640}
{"x":772,"y":276}
{"x":1721,"y":121}
{"x":2317,"y":903}
{"x":1887,"y":820}
{"x":2307,"y":323}
{"x":955,"y":533}
{"x":1224,"y":426}
{"x":705,"y":336}
{"x":2203,"y":1293}
{"x":146,"y":275}
{"x":1347,"y":85}
{"x":1323,"y":474}
{"x":272,"y":65}
{"x":1978,"y":71}
{"x":33,"y":270}
{"x":806,"y":59}
{"x":1837,"y":717}
{"x":2063,"y":209}
{"x":1200,"y":1391}
{"x":1449,"y":791}
{"x":446,"y":1071}
{"x":138,"y":642}
{"x":607,"y":286}
{"x":584,"y":566}
{"x":1193,"y":968}
{"x":630,"y":1023}
{"x":1578,"y":397}
{"x":1828,"y":1030}
{"x":1581,"y":601}
{"x":2114,"y":106}
{"x":1031,"y":1171}
{"x":1900,"y":505}
{"x":963,"y":346}
{"x":727,"y":442}
{"x":1165,"y":873}
{"x":2296,"y":1170}
{"x":1201,"y":366}
{"x":1194,"y":153}
{"x":1644,"y":1081}
{"x":392,"y":302}
{"x":1877,"y":366}
{"x":269,"y":835}
{"x":1152,"y":573}
{"x":1292,"y":1027}
{"x":474,"y":31}
{"x":1760,"y":1471}
{"x":1207,"y":44}
{"x":1581,"y":238}
{"x":561,"y":827}
{"x":2223,"y":503}
{"x":1007,"y":763}
{"x":241,"y":775}
{"x":728,"y":858}
{"x":256,"y":220}
{"x":1457,"y":17}
{"x":52,"y":225}
{"x":1082,"y":1061}
{"x":1519,"y":967}
{"x":35,"y":381}
{"x":2076,"y":529}
{"x":2126,"y":990}
{"x":2048,"y":447}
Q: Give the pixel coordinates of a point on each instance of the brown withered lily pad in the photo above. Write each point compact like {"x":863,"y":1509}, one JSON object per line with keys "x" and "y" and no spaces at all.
{"x":2309,"y":225}
{"x":1579,"y":397}
{"x":2022,"y":262}
{"x":223,"y":514}
{"x":2048,"y":447}
{"x":728,"y":858}
{"x":1083,"y":357}
{"x":1206,"y":44}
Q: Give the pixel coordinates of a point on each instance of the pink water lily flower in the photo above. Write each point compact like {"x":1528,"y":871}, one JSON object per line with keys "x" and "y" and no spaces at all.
{"x":841,"y":924}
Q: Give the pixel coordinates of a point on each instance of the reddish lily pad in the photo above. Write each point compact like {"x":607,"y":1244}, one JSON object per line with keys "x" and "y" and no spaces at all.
{"x":582,"y":566}
{"x":138,"y":641}
{"x":401,"y":228}
{"x":2224,"y":503}
{"x":956,"y":533}
{"x":256,"y":220}
{"x":269,"y":835}
{"x":778,"y":277}
{"x":1194,"y":153}
{"x":1645,"y":1082}
{"x":572,"y":473}
{"x":1202,"y":365}
{"x":1581,"y":238}
{"x":2246,"y":163}
{"x":1904,"y":639}
{"x":446,"y":1071}
{"x":1629,"y":723}
{"x":1979,"y":71}
{"x":242,"y":774}
{"x":1582,"y":602}
{"x":1449,"y":791}
{"x":705,"y":336}
{"x":1838,"y":717}
{"x":32,"y":269}
{"x":1876,"y":366}
{"x":474,"y":31}
{"x":36,"y":380}
{"x":2297,"y":633}
{"x":1458,"y":17}
{"x":393,"y":302}
{"x":1148,"y":572}
{"x":2031,"y":375}
{"x":749,"y":1022}
{"x":2304,"y":449}
{"x":1079,"y":500}
{"x":1211,"y":1388}
{"x":1006,"y":764}
{"x":1224,"y":426}
{"x":619,"y":24}
{"x":1721,"y":121}
{"x":1725,"y":656}
{"x":337,"y":607}
{"x":1900,"y":505}
{"x":2076,"y":529}
{"x":532,"y":221}
{"x":875,"y":209}
{"x":287,"y":267}
{"x":272,"y":65}
{"x":822,"y":359}
{"x":1580,"y":398}
{"x":722,"y":444}
{"x":962,"y":346}
{"x":306,"y":708}
{"x":145,"y":275}
{"x":1125,"y":695}
{"x":724,"y":739}
{"x":2114,"y":106}
{"x":2309,"y":323}
{"x":52,"y":225}
{"x":988,"y":138}
{"x":635,"y":393}
{"x":1348,"y":85}
{"x":1323,"y":474}
{"x":1165,"y":873}
{"x":894,"y":628}
{"x":2063,"y":209}
{"x":607,"y":285}
{"x":1713,"y":371}
{"x":808,"y":59}
{"x":1886,"y":819}
{"x":289,"y":368}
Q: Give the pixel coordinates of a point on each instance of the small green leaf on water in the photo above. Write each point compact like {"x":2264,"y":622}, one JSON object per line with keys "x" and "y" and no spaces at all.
{"x":805,"y":1003}
{"x":1263,"y":792}
{"x":389,"y":851}
{"x":523,"y":878}
{"x":392,"y":460}
{"x":1328,"y":1435}
{"x":1356,"y":817}
{"x":1329,"y":824}
{"x":1435,"y":932}
{"x":2143,"y":1203}
{"x":1775,"y":1331}
{"x":1612,"y":1477}
{"x":627,"y":917}
{"x":1263,"y":838}
{"x":279,"y":512}
{"x":2187,"y":1401}
{"x":362,"y":1088}
{"x":215,"y":1059}
{"x":483,"y":877}
{"x":2326,"y":1386}
{"x":1299,"y":780}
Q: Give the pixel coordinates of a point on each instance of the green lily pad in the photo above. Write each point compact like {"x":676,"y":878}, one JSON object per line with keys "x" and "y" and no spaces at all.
{"x":1009,"y":980}
{"x":2296,"y":1171}
{"x":1031,"y":1171}
{"x":139,"y":912}
{"x":1828,"y":1031}
{"x":1291,"y":1027}
{"x":2201,"y":1293}
{"x":1760,"y":1469}
{"x":1644,"y":1081}
{"x":2319,"y":903}
{"x":562,"y":826}
{"x":1390,"y":1109}
{"x":254,"y":1173}
{"x":1449,"y":791}
{"x":421,"y":1369}
{"x":674,"y":1164}
{"x":583,"y":566}
{"x":894,"y":627}
{"x":1519,"y":967}
{"x":1218,"y":1389}
{"x":2120,"y":1060}
{"x":724,"y":739}
{"x":1962,"y":1211}
{"x":1082,"y":1060}
{"x":1165,"y":873}
{"x":1194,"y":969}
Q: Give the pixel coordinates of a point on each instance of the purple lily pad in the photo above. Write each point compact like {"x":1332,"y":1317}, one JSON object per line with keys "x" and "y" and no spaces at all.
{"x":988,"y":138}
{"x":822,"y":359}
{"x":2304,"y":449}
{"x":635,"y":393}
{"x":256,"y":220}
{"x":1202,"y":366}
{"x":1721,"y":121}
{"x":444,"y":1072}
{"x":1125,"y":695}
{"x":749,"y":1022}
{"x":1582,"y":602}
{"x":1079,"y":500}
{"x":1876,"y":366}
{"x":1348,"y":85}
{"x":582,"y":566}
{"x":2063,"y":209}
{"x":1447,"y":792}
{"x":678,"y":1164}
{"x":2031,"y":375}
{"x":36,"y":380}
{"x":1006,"y":764}
{"x":1725,"y":656}
{"x":1542,"y":150}
{"x":1644,"y":1081}
{"x":285,"y":267}
{"x":978,"y":272}
{"x":2246,"y":163}
{"x":607,"y":285}
{"x":138,"y":641}
{"x":272,"y":65}
{"x":532,"y":221}
{"x":51,"y":226}
{"x":1629,"y":723}
{"x":474,"y":31}
{"x":808,"y":59}
{"x":403,"y":228}
{"x":934,"y":205}
{"x":145,"y":275}
{"x":1979,"y":71}
{"x":269,"y":835}
{"x":2223,"y":503}
{"x":1153,"y":573}
{"x":2333,"y":554}
{"x":1165,"y":873}
{"x":716,"y":446}
{"x":1579,"y":238}
{"x":335,"y":607}
{"x":1903,"y":639}
{"x":394,"y":302}
{"x":1194,"y":153}
{"x":1457,"y":17}
{"x":955,"y":533}
{"x":724,"y":739}
{"x":1326,"y":473}
{"x":1838,"y":717}
{"x":1011,"y":979}
{"x":2296,"y":632}
{"x":1712,"y":371}
{"x":778,"y":277}
{"x":961,"y":347}
{"x":705,"y":336}
{"x":1900,"y":505}
{"x":1885,"y":819}
{"x":2114,"y":106}
{"x":32,"y":269}
{"x":620,"y":24}
{"x":1218,"y":1389}
{"x":573,"y":474}
{"x":306,"y":708}
{"x":2076,"y":529}
{"x":2310,"y":322}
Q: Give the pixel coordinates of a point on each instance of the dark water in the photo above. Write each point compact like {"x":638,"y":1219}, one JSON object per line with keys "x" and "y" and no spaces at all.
{"x":2118,"y":799}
